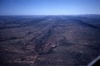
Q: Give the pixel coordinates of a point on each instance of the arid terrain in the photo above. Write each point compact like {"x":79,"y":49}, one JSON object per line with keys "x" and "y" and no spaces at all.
{"x":49,"y":40}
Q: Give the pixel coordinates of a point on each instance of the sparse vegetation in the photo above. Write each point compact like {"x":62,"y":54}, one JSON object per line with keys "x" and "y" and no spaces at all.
{"x":49,"y":40}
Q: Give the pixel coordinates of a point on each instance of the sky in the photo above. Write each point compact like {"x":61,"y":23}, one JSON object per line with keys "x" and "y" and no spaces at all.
{"x":49,"y":7}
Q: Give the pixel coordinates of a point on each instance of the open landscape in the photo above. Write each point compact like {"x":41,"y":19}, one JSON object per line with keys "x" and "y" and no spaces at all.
{"x":49,"y":40}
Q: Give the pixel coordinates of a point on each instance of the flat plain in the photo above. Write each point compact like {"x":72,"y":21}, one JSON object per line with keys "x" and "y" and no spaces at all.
{"x":49,"y":40}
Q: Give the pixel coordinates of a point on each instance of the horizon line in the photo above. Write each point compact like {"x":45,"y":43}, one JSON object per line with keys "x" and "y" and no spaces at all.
{"x":49,"y":14}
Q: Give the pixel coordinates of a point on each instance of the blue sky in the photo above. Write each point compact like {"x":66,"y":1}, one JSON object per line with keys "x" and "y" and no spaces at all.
{"x":49,"y":7}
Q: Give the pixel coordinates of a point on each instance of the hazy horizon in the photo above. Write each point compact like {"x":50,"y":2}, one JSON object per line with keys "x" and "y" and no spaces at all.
{"x":49,"y":7}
